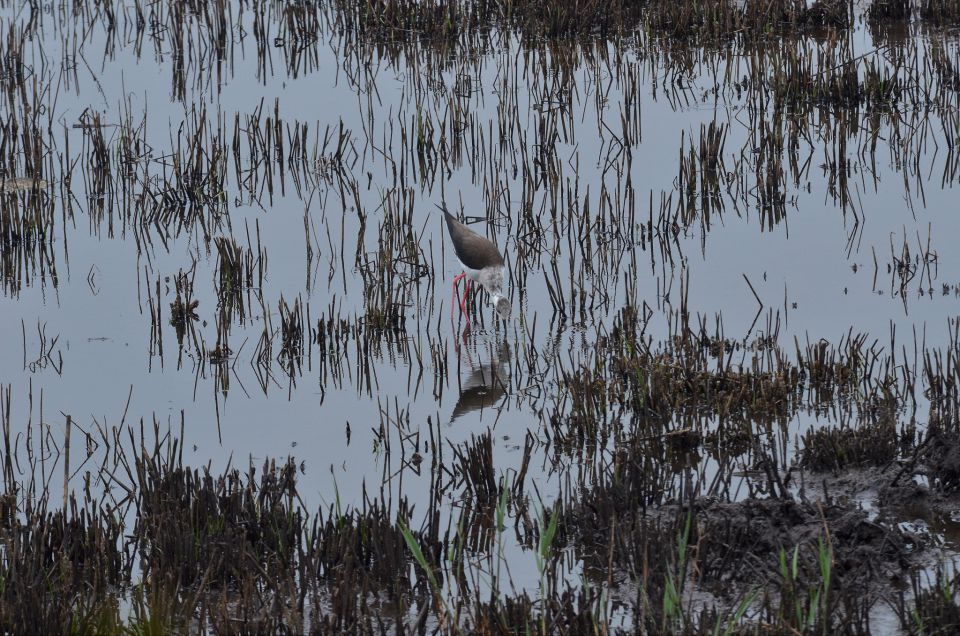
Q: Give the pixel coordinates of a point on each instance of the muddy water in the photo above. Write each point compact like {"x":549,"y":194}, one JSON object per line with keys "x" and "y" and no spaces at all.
{"x":880,"y":263}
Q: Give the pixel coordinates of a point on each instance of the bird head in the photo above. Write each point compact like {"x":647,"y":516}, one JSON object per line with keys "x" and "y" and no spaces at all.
{"x":502,"y":306}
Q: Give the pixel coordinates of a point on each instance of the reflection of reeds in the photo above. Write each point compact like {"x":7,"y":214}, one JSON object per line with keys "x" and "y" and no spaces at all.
{"x":701,"y":171}
{"x":888,"y":11}
{"x":26,"y":235}
{"x":392,"y":21}
{"x":27,"y":204}
{"x":183,"y":309}
{"x":940,"y":11}
{"x":292,"y":343}
{"x":393,"y":274}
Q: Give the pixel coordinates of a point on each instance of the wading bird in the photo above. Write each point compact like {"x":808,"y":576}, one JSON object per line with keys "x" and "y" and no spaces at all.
{"x":481,"y":262}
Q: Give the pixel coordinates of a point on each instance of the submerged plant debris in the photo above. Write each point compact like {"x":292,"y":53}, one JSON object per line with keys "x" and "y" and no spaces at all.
{"x":234,"y":397}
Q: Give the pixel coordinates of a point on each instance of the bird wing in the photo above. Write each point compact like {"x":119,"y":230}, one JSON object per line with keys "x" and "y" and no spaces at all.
{"x":473,"y":250}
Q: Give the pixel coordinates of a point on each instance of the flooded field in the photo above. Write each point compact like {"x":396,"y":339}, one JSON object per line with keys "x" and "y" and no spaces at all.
{"x":238,"y":394}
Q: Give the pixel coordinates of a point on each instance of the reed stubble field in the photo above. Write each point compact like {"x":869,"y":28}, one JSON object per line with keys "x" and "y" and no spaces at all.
{"x":233,"y":400}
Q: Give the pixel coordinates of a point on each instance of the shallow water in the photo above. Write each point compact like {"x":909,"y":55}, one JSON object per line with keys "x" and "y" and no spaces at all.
{"x":545,"y":139}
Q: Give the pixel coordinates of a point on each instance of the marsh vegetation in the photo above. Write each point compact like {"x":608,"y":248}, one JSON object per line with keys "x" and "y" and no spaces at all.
{"x":727,"y":399}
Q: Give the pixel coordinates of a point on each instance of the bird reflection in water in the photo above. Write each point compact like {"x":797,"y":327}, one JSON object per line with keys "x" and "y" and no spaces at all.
{"x":484,"y":384}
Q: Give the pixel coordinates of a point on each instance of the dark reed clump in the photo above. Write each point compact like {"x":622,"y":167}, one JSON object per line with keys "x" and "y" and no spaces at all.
{"x":833,"y":448}
{"x":474,"y":469}
{"x":889,"y":11}
{"x":54,"y":557}
{"x":568,"y":609}
{"x":942,"y":12}
{"x":388,"y":20}
{"x":362,"y":546}
{"x":939,"y":455}
{"x":196,"y":527}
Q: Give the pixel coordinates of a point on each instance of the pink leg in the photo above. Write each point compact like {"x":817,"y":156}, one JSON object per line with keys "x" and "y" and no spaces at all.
{"x":463,"y":303}
{"x":453,"y":301}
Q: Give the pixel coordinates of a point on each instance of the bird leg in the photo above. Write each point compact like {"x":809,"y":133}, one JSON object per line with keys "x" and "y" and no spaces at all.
{"x":463,"y":303}
{"x":453,"y":301}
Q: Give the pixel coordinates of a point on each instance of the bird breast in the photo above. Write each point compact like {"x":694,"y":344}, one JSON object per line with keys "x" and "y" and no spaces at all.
{"x":491,"y":278}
